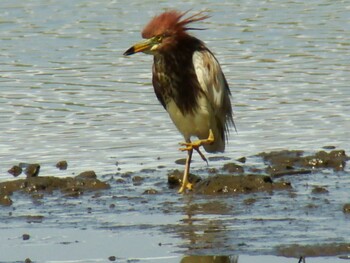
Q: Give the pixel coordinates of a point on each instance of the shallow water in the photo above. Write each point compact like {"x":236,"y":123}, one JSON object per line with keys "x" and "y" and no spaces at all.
{"x":67,"y":93}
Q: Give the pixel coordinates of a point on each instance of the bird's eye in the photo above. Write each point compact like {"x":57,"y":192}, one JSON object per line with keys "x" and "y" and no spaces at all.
{"x":159,"y":38}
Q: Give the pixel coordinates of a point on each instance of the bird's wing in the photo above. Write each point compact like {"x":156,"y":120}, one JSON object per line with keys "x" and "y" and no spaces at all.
{"x":214,"y":85}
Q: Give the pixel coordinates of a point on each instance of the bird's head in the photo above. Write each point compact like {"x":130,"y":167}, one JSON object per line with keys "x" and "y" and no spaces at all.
{"x":164,"y":32}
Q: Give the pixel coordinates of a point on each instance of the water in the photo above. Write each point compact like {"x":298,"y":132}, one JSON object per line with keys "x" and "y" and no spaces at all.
{"x":67,"y":93}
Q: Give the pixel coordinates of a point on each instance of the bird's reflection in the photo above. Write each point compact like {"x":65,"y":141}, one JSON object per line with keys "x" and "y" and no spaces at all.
{"x":203,"y":228}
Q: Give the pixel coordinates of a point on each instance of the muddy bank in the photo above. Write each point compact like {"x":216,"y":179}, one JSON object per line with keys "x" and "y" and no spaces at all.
{"x":36,"y":187}
{"x":229,"y":184}
{"x":286,"y":162}
{"x":296,"y":250}
{"x":237,"y":177}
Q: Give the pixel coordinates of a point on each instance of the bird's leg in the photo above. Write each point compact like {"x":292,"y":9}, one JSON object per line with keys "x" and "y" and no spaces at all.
{"x":185,"y":183}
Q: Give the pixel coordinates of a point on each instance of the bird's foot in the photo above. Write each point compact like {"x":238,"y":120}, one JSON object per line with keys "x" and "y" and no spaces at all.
{"x":184,"y":186}
{"x":189,"y":146}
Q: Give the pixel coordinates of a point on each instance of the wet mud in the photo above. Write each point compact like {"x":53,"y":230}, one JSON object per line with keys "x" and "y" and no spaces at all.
{"x":332,"y":249}
{"x":40,"y":185}
{"x":232,"y":178}
{"x":222,"y":200}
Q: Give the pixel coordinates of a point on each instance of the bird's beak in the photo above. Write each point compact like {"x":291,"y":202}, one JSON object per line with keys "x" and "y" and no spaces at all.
{"x":145,"y":46}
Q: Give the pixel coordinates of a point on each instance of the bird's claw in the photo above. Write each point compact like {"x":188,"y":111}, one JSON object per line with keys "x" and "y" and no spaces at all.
{"x":189,"y":146}
{"x":185,"y":186}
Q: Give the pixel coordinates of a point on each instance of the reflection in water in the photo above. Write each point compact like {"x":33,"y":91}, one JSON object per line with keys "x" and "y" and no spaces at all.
{"x":209,"y":259}
{"x":203,"y":227}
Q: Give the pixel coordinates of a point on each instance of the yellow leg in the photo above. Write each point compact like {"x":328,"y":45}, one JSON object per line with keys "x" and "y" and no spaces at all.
{"x":185,"y":183}
{"x":189,"y":146}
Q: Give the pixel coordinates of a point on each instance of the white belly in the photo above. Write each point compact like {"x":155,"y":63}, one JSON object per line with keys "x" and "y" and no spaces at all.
{"x":196,"y":124}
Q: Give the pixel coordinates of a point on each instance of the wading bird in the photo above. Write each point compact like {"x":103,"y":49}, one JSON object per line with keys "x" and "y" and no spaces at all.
{"x":189,"y":83}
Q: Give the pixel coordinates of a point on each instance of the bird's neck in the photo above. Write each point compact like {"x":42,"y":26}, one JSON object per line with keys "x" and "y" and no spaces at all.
{"x":176,"y":79}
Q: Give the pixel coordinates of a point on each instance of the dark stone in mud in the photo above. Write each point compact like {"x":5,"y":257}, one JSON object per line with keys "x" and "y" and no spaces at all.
{"x":15,"y":170}
{"x":233,"y":168}
{"x":318,"y":250}
{"x":150,"y":191}
{"x":32,"y":170}
{"x":25,"y":236}
{"x":5,"y":200}
{"x":231,"y":184}
{"x":28,"y":260}
{"x":329,"y":147}
{"x":62,"y":165}
{"x":87,"y":175}
{"x":242,"y":159}
{"x":181,"y":161}
{"x":112,"y":258}
{"x":137,"y":180}
{"x":70,"y":186}
{"x":319,"y":190}
{"x":294,"y":162}
{"x":346,"y":208}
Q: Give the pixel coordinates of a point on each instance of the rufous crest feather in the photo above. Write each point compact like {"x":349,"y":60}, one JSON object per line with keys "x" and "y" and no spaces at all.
{"x":169,"y":23}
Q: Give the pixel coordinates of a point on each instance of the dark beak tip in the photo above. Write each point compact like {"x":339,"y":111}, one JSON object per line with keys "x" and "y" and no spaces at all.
{"x":130,"y":51}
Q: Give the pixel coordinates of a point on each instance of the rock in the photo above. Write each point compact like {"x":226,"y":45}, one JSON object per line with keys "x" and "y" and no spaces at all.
{"x":15,"y":170}
{"x":112,"y":258}
{"x":87,"y":174}
{"x":150,"y":192}
{"x":5,"y":200}
{"x":137,"y":180}
{"x":319,"y":190}
{"x":181,"y":161}
{"x":32,"y":170}
{"x":62,"y":165}
{"x":242,"y":159}
{"x":346,"y":208}
{"x":25,"y":236}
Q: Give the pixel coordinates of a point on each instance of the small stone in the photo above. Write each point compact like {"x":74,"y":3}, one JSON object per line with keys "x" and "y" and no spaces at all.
{"x":242,"y":159}
{"x":346,"y":208}
{"x":120,"y":181}
{"x":28,"y":260}
{"x":5,"y":200}
{"x":150,"y":192}
{"x":15,"y":170}
{"x":25,"y":236}
{"x":32,"y":170}
{"x":137,"y":180}
{"x":329,"y":147}
{"x":62,"y":165}
{"x":319,"y":190}
{"x":112,"y":258}
{"x":181,"y":161}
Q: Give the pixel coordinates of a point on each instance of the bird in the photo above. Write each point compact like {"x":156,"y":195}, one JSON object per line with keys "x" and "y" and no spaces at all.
{"x":189,"y":83}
